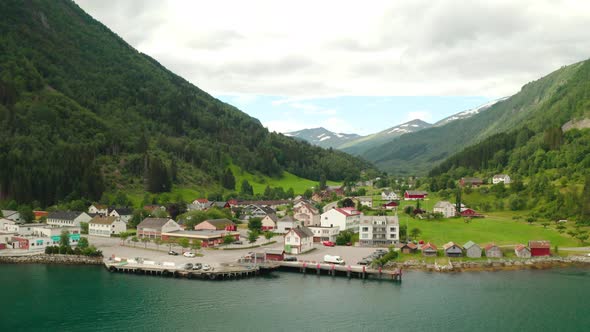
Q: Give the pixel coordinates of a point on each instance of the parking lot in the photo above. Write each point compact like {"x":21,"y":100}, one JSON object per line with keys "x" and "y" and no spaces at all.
{"x":113,"y":246}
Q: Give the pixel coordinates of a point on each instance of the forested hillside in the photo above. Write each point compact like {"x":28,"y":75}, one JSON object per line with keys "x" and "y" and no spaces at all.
{"x":417,"y":153}
{"x":82,"y":112}
{"x":552,"y":166}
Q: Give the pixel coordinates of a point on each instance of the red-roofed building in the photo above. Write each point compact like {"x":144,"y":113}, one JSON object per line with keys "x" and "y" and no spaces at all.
{"x":40,"y":214}
{"x":540,"y":248}
{"x":429,"y":249}
{"x":412,"y":195}
{"x":470,"y":213}
{"x":390,"y":205}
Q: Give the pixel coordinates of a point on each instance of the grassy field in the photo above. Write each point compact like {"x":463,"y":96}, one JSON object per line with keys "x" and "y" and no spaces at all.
{"x":257,"y":182}
{"x":500,"y":228}
{"x":288,"y":180}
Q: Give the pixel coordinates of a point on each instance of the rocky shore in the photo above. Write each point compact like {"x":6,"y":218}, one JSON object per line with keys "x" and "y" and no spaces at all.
{"x":52,"y":259}
{"x":491,"y":264}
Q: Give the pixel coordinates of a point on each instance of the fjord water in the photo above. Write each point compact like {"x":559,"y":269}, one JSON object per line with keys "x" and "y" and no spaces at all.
{"x":89,"y":298}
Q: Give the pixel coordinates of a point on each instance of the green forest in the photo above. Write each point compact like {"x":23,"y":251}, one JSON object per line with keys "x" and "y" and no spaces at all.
{"x":82,"y":112}
{"x":550,"y":166}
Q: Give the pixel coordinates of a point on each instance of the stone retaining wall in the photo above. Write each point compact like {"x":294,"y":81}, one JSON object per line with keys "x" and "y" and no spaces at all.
{"x":491,"y":264}
{"x":52,"y":259}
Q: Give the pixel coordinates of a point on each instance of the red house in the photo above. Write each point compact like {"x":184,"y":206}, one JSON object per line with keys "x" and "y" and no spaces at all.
{"x":470,"y":213}
{"x":275,"y":255}
{"x":390,"y":205}
{"x":415,"y":194}
{"x":540,"y":248}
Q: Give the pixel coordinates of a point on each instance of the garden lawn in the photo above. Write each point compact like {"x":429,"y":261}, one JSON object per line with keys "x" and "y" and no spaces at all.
{"x":498,"y":229}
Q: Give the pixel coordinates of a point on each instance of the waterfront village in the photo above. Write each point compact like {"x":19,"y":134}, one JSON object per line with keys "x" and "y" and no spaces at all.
{"x":296,"y":229}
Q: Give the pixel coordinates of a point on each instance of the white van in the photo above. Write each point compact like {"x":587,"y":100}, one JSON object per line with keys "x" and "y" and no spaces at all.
{"x":333,"y":259}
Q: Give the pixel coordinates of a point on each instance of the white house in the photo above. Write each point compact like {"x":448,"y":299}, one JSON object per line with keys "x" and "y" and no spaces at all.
{"x":306,"y":214}
{"x":388,"y":195}
{"x":365,"y":200}
{"x":201,"y":204}
{"x":269,"y":222}
{"x":501,"y":178}
{"x":4,"y":223}
{"x":446,"y":208}
{"x":298,"y":240}
{"x":67,"y":218}
{"x":106,"y":226}
{"x":343,"y":218}
{"x":378,"y":230}
{"x":98,"y":209}
{"x":286,"y":223}
{"x":321,"y":234}
{"x":24,"y":229}
{"x":125,"y":214}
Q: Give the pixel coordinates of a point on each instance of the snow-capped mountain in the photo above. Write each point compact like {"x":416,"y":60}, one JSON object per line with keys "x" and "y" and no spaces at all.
{"x":367,"y":142}
{"x":322,"y":137}
{"x":468,"y":113}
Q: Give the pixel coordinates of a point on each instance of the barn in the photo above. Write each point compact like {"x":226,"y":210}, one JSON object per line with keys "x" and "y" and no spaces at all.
{"x":472,"y":250}
{"x":470,"y":213}
{"x":409,"y":248}
{"x":453,"y":250}
{"x":429,"y":249}
{"x":540,"y":248}
{"x":415,"y":194}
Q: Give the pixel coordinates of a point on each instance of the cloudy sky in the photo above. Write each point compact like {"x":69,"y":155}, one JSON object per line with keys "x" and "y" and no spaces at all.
{"x":353,"y":66}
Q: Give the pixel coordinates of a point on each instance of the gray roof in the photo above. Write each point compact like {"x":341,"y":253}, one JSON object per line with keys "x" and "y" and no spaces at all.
{"x":303,"y":231}
{"x":124,"y":211}
{"x":287,"y":218}
{"x":219,"y":223}
{"x":153,"y":222}
{"x":469,"y":245}
{"x":273,"y":217}
{"x":103,"y":220}
{"x":63,"y":215}
{"x":8,"y":213}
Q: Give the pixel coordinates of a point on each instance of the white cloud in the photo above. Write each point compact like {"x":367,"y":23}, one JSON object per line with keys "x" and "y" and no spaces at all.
{"x":381,"y":47}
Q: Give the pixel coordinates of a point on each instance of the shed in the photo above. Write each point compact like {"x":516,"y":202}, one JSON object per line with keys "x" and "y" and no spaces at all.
{"x":540,"y":248}
{"x":472,"y":250}
{"x":492,"y":250}
{"x":429,"y":249}
{"x":409,"y":248}
{"x":274,"y":254}
{"x":522,"y":251}
{"x":453,"y":250}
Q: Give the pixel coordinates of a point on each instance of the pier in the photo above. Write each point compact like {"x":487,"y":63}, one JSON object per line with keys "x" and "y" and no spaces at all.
{"x":228,"y":272}
{"x":246,"y":270}
{"x":323,"y":269}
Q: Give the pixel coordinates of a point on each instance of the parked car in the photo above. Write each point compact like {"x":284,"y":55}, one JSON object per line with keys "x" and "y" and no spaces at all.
{"x":188,"y":266}
{"x":238,"y":242}
{"x":290,"y":259}
{"x":188,"y":254}
{"x":364,"y":261}
{"x":197,"y":266}
{"x":173,"y":253}
{"x":328,"y":243}
{"x":207,"y":267}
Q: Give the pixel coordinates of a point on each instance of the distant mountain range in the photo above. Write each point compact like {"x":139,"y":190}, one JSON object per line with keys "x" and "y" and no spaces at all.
{"x":322,"y":137}
{"x":357,"y":144}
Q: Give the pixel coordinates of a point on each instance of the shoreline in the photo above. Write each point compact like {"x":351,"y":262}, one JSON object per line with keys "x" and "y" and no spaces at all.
{"x":537,"y":263}
{"x":52,"y":259}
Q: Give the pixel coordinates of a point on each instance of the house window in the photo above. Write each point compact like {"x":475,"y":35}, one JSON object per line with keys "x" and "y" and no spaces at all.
{"x":365,"y":229}
{"x":288,"y":239}
{"x":392,"y":229}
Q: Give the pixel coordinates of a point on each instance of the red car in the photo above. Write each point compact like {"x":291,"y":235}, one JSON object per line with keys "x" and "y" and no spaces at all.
{"x":328,"y":243}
